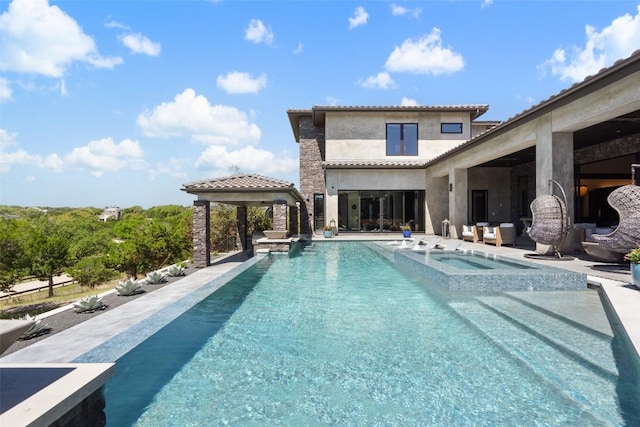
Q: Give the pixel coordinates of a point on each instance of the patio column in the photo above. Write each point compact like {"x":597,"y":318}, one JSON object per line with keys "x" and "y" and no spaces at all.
{"x":554,"y":160}
{"x":244,"y":241}
{"x":436,"y":203}
{"x":279,"y":215}
{"x":201,"y":234}
{"x":293,"y":220}
{"x":457,"y":201}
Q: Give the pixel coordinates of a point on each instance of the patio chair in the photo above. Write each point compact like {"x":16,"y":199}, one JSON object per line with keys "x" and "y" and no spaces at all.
{"x":473,"y":233}
{"x":550,"y":222}
{"x":504,"y":234}
{"x":626,"y":236}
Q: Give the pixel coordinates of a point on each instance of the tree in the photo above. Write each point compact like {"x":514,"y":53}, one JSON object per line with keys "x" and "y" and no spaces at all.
{"x":91,"y":271}
{"x":223,"y":226}
{"x":257,"y":220}
{"x":13,"y":262}
{"x":151,"y":245}
{"x":47,"y":249}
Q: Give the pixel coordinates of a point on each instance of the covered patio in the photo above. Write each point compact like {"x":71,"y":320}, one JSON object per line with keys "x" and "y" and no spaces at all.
{"x":242,"y":191}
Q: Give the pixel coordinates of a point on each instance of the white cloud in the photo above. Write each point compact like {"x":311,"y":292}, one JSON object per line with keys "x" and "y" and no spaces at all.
{"x":174,"y":168}
{"x":360,"y":17}
{"x":237,"y":82}
{"x":397,"y":10}
{"x":63,"y":88}
{"x":42,"y":39}
{"x":138,"y":43}
{"x":21,"y":157}
{"x":6,"y":93}
{"x":486,"y":3}
{"x":425,"y":55}
{"x":247,"y":159}
{"x":104,"y":155}
{"x":98,"y":156}
{"x":115,"y":24}
{"x":7,"y":139}
{"x":298,"y":48}
{"x":192,"y":115}
{"x":408,"y":102}
{"x":331,"y":100}
{"x":381,"y":80}
{"x":257,"y":32}
{"x":618,"y":40}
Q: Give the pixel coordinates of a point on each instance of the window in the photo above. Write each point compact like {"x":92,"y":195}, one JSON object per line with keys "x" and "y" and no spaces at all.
{"x":402,"y":139}
{"x":450,"y":127}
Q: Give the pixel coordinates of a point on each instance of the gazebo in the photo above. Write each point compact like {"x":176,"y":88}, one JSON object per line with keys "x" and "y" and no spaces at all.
{"x":242,"y":191}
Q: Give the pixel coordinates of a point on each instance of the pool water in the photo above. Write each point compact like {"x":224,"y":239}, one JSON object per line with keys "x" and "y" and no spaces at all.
{"x":470,"y":261}
{"x":339,"y":336}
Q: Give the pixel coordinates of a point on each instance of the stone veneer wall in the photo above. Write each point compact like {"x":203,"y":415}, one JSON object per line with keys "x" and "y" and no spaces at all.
{"x":610,"y":149}
{"x":88,"y":413}
{"x":279,"y":216}
{"x":312,"y":151}
{"x":201,"y":233}
{"x":606,"y":150}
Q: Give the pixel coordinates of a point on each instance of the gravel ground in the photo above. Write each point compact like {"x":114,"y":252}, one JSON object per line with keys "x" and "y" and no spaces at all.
{"x":68,"y":318}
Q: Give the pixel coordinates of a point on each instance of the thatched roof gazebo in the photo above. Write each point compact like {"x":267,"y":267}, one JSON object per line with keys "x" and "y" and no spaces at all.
{"x":241,"y":191}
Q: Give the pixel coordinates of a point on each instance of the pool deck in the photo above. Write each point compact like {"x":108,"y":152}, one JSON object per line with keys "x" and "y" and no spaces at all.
{"x":620,"y":298}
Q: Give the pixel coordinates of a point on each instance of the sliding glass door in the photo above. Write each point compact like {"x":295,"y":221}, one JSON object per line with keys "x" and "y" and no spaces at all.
{"x":380,"y":211}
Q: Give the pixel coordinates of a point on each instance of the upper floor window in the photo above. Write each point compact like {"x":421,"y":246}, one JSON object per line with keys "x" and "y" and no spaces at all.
{"x":402,"y":139}
{"x":450,"y":127}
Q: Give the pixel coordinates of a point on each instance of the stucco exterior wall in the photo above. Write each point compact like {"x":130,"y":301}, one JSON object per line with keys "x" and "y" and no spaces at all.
{"x":498,"y":183}
{"x":362,"y":135}
{"x":374,"y":179}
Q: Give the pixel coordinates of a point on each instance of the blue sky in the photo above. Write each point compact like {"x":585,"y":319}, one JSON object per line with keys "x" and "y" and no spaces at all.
{"x":119,"y":103}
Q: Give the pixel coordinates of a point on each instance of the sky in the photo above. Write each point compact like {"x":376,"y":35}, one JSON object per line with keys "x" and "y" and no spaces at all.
{"x":121,"y":103}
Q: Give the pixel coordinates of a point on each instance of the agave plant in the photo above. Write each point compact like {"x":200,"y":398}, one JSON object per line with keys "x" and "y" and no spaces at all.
{"x":128,"y":287}
{"x":38,"y":328}
{"x":155,"y":278}
{"x":89,"y":304}
{"x":175,"y":271}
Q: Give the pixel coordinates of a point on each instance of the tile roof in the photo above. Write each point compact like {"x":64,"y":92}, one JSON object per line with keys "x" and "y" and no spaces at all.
{"x":239,"y":182}
{"x":374,"y":164}
{"x":531,"y":112}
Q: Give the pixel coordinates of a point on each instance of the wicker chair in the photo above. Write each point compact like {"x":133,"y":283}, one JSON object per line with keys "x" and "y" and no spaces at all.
{"x":550,"y":222}
{"x":626,"y":201}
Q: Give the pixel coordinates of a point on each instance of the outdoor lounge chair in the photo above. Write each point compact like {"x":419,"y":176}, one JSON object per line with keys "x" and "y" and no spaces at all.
{"x":423,"y":246}
{"x":473,"y":233}
{"x":626,"y":236}
{"x":504,"y":234}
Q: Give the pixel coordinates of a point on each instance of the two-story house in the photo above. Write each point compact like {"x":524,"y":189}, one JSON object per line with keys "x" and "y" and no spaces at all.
{"x":377,"y":168}
{"x":363,"y":168}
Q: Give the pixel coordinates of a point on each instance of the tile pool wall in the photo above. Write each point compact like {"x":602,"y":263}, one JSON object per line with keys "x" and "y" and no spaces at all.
{"x":447,"y":277}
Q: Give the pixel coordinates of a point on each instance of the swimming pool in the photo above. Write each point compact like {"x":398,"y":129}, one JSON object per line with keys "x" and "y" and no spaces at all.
{"x":352,"y":340}
{"x":477,"y":271}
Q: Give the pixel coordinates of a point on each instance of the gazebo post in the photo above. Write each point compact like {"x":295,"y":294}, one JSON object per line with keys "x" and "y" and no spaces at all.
{"x":293,"y":220}
{"x":241,"y":222}
{"x":280,"y":215}
{"x":201,"y":233}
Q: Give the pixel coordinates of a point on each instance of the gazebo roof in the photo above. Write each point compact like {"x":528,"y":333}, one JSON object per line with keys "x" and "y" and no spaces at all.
{"x":245,"y":190}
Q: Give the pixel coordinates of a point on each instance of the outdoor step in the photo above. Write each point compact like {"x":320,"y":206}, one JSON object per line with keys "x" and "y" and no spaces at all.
{"x":591,"y":392}
{"x":586,"y":346}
